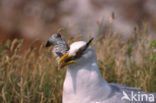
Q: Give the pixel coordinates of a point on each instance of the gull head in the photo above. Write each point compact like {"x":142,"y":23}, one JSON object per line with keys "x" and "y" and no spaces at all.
{"x":79,"y":53}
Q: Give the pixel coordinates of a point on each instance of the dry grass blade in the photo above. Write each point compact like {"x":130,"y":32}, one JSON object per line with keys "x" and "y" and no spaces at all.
{"x":32,"y":76}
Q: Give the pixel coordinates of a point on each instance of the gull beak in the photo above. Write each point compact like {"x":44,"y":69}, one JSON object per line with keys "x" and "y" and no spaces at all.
{"x":65,"y":60}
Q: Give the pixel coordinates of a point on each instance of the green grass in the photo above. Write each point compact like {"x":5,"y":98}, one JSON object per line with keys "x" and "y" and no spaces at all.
{"x":31,"y":76}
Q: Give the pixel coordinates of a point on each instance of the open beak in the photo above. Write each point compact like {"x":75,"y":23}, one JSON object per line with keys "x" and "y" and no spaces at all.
{"x":65,"y":60}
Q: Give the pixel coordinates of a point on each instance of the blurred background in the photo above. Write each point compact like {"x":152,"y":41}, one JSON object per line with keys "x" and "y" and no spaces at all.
{"x":125,"y":43}
{"x":39,"y":19}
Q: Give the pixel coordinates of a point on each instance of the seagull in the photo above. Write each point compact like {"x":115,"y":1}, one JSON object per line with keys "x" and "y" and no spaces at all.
{"x":84,"y":84}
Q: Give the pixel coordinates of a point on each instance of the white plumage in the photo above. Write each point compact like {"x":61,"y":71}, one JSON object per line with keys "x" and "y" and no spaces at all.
{"x":84,"y":83}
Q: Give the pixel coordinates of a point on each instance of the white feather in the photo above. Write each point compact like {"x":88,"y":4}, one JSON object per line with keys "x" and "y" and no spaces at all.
{"x":84,"y":83}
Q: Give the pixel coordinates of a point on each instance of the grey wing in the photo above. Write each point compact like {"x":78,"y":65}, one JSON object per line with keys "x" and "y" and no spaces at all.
{"x":124,"y":93}
{"x":123,"y":87}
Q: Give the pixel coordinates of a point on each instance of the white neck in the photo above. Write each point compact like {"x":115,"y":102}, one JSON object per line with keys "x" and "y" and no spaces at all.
{"x":83,"y":83}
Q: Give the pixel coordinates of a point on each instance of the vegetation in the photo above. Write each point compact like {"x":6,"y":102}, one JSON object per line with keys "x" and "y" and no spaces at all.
{"x":31,"y":76}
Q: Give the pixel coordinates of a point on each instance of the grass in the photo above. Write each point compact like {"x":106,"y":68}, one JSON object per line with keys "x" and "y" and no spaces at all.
{"x":31,"y":76}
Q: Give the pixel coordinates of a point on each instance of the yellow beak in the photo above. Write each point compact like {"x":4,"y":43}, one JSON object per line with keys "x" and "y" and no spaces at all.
{"x":64,"y":60}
